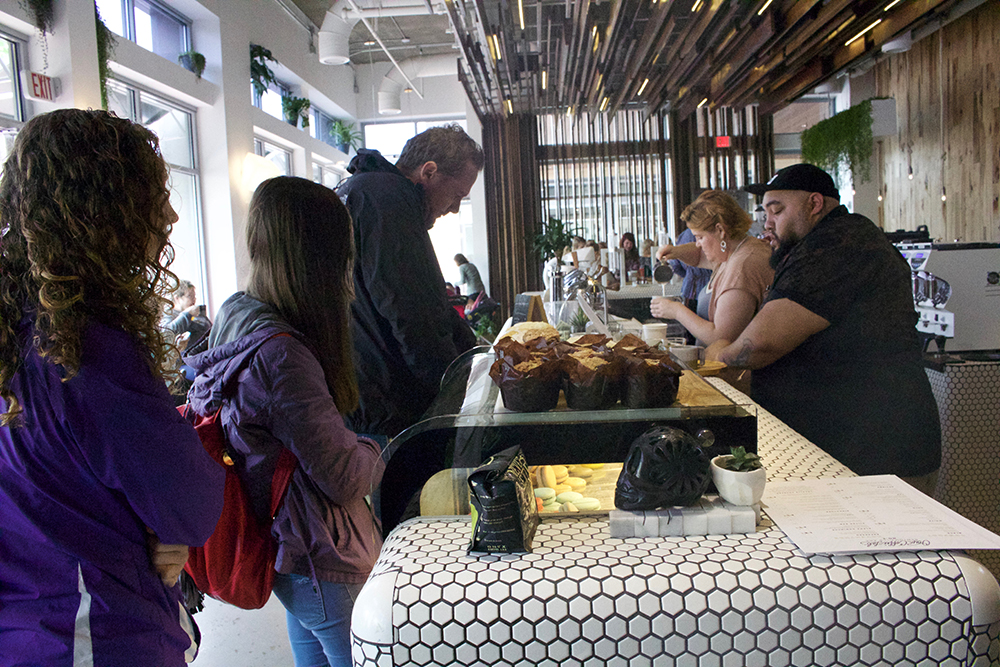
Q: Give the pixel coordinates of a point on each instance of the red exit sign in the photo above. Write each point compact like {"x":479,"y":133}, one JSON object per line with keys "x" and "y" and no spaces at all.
{"x":723,"y":142}
{"x":40,"y":87}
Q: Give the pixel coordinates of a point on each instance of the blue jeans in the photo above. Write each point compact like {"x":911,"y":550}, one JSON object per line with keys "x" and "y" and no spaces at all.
{"x":319,"y":620}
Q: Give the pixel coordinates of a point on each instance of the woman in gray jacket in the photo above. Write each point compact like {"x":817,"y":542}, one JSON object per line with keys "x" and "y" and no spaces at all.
{"x":292,"y":395}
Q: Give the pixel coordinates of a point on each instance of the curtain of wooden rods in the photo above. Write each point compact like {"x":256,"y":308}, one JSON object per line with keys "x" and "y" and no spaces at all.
{"x":513,"y":206}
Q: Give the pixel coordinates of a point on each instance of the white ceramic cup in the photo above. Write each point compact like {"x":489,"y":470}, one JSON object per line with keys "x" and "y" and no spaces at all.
{"x":653,"y":333}
{"x":689,"y":354}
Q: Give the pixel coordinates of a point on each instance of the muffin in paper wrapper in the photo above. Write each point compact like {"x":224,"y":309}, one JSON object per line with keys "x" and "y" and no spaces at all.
{"x":593,"y":379}
{"x":651,"y":381}
{"x":529,"y":375}
{"x":504,"y":512}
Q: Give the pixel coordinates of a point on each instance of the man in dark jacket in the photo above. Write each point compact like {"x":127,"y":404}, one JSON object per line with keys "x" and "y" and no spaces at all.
{"x":405,"y":333}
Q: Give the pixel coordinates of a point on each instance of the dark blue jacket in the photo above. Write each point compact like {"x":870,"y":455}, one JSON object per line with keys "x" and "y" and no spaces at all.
{"x":405,"y":333}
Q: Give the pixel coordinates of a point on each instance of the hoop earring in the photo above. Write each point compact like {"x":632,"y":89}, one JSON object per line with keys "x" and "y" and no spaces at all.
{"x":722,"y":244}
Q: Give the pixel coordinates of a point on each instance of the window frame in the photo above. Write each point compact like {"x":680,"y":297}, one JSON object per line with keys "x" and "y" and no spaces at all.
{"x":128,"y":21}
{"x":20,"y":115}
{"x":135,"y":93}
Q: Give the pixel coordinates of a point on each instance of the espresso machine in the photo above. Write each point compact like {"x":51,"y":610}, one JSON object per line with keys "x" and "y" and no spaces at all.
{"x":956,"y":293}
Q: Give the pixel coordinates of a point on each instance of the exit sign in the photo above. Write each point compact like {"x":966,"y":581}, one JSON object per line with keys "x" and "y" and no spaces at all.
{"x":40,"y":87}
{"x":722,"y":142}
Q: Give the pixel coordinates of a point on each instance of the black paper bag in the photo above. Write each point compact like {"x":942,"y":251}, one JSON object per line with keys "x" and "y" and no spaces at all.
{"x":504,"y":512}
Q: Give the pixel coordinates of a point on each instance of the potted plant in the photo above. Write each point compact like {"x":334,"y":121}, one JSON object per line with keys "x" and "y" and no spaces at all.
{"x":344,"y":136}
{"x":192,"y":61}
{"x":552,"y":239}
{"x":296,"y":109}
{"x":739,"y":477}
{"x":261,"y":76}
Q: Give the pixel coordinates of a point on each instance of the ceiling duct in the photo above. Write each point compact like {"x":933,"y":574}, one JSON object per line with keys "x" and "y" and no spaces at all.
{"x":389,"y":103}
{"x":335,"y":33}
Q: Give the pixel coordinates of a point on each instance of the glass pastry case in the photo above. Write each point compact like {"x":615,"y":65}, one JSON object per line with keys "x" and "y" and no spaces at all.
{"x":468,"y":422}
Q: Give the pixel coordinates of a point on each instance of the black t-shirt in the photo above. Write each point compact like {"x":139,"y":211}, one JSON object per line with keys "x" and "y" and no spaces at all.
{"x":858,"y":388}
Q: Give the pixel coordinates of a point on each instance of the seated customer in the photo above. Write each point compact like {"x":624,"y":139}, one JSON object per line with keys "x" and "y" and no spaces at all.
{"x":185,"y":316}
{"x":96,"y":465}
{"x":579,"y":255}
{"x":741,"y":272}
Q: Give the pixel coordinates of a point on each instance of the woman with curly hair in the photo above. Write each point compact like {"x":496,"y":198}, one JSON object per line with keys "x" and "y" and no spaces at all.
{"x":102,"y":483}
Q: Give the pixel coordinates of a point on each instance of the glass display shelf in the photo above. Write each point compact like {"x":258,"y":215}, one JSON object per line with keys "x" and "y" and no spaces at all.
{"x":468,"y":422}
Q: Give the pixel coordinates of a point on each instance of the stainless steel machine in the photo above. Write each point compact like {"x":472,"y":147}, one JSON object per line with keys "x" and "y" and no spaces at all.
{"x":956,"y":293}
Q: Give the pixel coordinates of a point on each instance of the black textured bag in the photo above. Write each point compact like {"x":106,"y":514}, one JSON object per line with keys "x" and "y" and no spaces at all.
{"x":504,"y":512}
{"x":665,"y":467}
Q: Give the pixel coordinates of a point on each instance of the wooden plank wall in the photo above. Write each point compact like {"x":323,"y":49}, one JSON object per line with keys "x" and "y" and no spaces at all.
{"x":962,"y":63}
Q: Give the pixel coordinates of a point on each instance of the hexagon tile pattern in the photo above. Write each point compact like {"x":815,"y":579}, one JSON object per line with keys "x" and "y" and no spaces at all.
{"x":582,"y":599}
{"x":968,"y":399}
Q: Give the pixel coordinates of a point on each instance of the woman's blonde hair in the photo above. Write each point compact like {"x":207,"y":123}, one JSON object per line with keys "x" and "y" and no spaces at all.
{"x":83,"y":236}
{"x":714,"y":207}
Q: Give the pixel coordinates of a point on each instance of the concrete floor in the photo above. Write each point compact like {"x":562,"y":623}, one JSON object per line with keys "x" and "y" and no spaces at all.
{"x":234,"y":637}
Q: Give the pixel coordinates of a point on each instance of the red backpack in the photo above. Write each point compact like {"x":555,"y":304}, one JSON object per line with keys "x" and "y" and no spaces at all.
{"x":236,"y":564}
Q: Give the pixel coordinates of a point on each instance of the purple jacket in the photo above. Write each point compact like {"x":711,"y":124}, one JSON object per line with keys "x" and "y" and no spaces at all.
{"x":98,"y":459}
{"x":325,"y":525}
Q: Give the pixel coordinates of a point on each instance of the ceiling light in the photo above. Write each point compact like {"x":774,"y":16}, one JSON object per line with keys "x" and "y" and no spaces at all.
{"x":852,"y":39}
{"x":520,"y":12}
{"x":911,"y":173}
{"x":545,"y":79}
{"x":880,"y":197}
{"x":944,"y":197}
{"x":495,"y":43}
{"x":703,"y":103}
{"x":768,"y":4}
{"x":891,"y":5}
{"x":604,"y":104}
{"x":510,"y":107}
{"x":697,"y":5}
{"x":642,"y":87}
{"x":369,"y":43}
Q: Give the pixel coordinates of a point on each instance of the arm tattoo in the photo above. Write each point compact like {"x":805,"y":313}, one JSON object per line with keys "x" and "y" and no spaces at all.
{"x":742,"y":358}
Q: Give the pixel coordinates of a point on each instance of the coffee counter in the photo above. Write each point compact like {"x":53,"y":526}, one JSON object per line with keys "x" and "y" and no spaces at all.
{"x":582,"y":598}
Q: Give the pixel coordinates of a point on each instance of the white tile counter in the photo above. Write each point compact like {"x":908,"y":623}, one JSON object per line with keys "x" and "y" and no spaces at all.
{"x":581,"y":598}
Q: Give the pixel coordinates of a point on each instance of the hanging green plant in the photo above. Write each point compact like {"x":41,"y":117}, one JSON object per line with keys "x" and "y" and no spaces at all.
{"x":261,"y":76}
{"x":43,"y":12}
{"x":842,"y":141}
{"x":192,"y":61}
{"x":296,"y":109}
{"x":105,"y":48}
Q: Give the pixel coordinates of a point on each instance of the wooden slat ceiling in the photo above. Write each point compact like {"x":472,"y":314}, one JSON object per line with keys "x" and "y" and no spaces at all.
{"x":584,"y":54}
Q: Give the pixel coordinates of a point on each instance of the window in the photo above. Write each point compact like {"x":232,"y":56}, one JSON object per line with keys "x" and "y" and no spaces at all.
{"x":280,"y":157}
{"x":389,"y":138}
{"x":151,"y":25}
{"x":326,"y":175}
{"x":270,"y":101}
{"x":10,"y":83}
{"x":175,"y":128}
{"x":320,"y":126}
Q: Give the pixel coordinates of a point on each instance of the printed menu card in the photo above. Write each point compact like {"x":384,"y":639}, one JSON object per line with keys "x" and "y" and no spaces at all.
{"x":850,"y":515}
